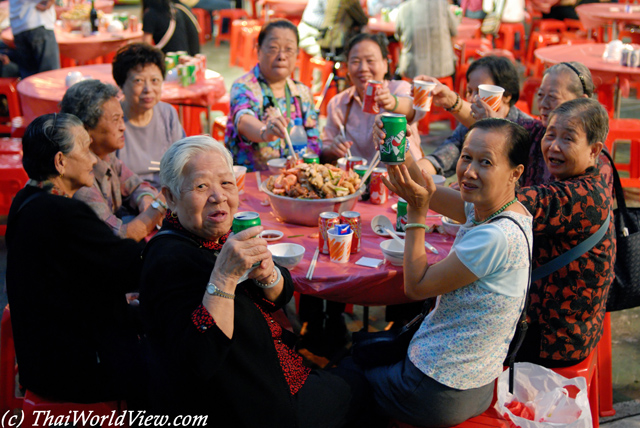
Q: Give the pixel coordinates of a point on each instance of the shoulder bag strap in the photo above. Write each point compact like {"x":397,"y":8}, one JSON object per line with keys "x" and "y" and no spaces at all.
{"x":167,"y":36}
{"x":623,"y":213}
{"x":190,"y":15}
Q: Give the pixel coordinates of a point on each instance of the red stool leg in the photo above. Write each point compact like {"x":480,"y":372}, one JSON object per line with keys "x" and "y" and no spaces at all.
{"x":605,"y":387}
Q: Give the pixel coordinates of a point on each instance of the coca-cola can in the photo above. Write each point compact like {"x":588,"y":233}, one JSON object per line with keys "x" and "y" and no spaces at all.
{"x":353,"y":219}
{"x":353,"y":161}
{"x":378,"y":192}
{"x":326,"y":220}
{"x":370,"y":106}
{"x":133,"y":24}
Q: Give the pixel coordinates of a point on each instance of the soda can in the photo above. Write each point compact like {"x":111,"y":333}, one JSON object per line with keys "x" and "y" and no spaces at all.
{"x":182,"y":53}
{"x":168,"y":63}
{"x":202,"y":62}
{"x":634,"y":58}
{"x":174,"y":56}
{"x":401,"y":215}
{"x":310,"y":158}
{"x":353,"y":161}
{"x":392,"y":151}
{"x":369,"y":105}
{"x":326,"y":220}
{"x":244,"y":220}
{"x":625,"y":55}
{"x":379,"y":194}
{"x":133,"y":23}
{"x":354,"y":220}
{"x":361,"y":170}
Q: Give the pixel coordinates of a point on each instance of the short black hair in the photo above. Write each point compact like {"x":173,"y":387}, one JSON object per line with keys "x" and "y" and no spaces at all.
{"x":136,"y":55}
{"x":589,"y":114}
{"x":375,"y":38}
{"x":503,"y":73}
{"x":516,"y":137}
{"x":277,"y":23}
{"x":44,"y":137}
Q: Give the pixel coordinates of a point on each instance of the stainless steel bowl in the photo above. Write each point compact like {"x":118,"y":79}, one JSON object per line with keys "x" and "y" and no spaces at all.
{"x":306,"y":211}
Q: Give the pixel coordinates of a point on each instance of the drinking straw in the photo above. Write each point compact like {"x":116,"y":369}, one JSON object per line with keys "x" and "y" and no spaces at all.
{"x":374,"y":163}
{"x":312,"y":266}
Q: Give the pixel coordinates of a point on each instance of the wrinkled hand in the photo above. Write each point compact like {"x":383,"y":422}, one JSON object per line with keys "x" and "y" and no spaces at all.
{"x":401,"y":183}
{"x":276,"y":124}
{"x":240,"y":252}
{"x":442,"y":95}
{"x":384,"y":99}
{"x":339,"y":147}
{"x":264,"y":272}
{"x":481,"y":110}
{"x":378,"y":135}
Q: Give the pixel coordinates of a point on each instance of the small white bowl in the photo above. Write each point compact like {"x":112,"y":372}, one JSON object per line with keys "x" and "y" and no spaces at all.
{"x":276,"y":165}
{"x":393,"y":251}
{"x":450,"y":227}
{"x":271,"y":235}
{"x":287,"y":254}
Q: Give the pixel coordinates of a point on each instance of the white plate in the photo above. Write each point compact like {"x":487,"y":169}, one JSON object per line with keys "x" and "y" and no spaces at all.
{"x":394,"y":207}
{"x":271,"y":235}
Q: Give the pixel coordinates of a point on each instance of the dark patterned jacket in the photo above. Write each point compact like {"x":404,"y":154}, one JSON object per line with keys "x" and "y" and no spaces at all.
{"x":567,"y":308}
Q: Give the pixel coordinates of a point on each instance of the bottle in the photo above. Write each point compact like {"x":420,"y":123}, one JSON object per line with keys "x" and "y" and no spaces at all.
{"x":298,"y":137}
{"x":93,"y":17}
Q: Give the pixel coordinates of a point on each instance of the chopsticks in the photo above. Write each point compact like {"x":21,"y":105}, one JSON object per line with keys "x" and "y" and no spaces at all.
{"x":155,"y":167}
{"x":289,"y":144}
{"x":312,"y":266}
{"x":259,"y":180}
{"x":344,"y":136}
{"x":374,"y":163}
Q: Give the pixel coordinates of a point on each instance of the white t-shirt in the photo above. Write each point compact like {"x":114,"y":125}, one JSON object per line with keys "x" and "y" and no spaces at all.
{"x":24,"y":16}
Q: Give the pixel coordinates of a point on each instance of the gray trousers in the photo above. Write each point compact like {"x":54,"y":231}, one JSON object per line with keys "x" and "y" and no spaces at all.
{"x":37,"y":51}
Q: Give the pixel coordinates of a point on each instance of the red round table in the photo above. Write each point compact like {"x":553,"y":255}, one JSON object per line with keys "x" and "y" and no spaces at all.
{"x":591,"y":56}
{"x":77,"y":47}
{"x":104,"y":5}
{"x":41,"y":93}
{"x":594,"y":15}
{"x":293,"y":8}
{"x":466,"y":30}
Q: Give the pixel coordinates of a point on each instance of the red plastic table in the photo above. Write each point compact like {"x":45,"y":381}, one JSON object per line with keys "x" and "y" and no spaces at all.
{"x":41,"y":93}
{"x":591,"y":56}
{"x":348,"y":282}
{"x":466,"y":30}
{"x":593,"y":15}
{"x":82,"y":49}
{"x":104,"y":5}
{"x":289,"y":8}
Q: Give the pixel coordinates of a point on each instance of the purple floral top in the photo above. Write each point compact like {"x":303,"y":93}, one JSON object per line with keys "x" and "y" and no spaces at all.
{"x":250,"y":94}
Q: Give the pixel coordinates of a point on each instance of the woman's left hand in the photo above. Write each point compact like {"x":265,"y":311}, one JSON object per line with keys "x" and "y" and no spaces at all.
{"x":401,"y":183}
{"x":481,"y":110}
{"x":385,"y":99}
{"x":378,"y":135}
{"x":264,"y":272}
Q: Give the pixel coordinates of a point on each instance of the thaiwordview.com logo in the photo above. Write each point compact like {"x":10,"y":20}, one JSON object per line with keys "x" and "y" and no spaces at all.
{"x":44,"y":418}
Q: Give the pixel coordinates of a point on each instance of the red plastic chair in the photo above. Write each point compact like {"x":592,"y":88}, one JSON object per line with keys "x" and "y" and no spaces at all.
{"x":204,"y":21}
{"x":12,"y":179}
{"x":626,"y":130}
{"x":10,"y":146}
{"x":248,"y":44}
{"x":8,"y":366}
{"x":231,"y":15}
{"x":235,"y":51}
{"x":605,"y":383}
{"x":219,"y":128}
{"x":507,"y":38}
{"x":528,"y":93}
{"x":8,"y":89}
{"x":437,"y":114}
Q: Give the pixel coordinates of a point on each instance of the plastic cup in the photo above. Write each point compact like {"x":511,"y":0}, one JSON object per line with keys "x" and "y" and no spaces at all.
{"x":491,"y":95}
{"x":339,"y":246}
{"x":240,"y":173}
{"x":422,"y":97}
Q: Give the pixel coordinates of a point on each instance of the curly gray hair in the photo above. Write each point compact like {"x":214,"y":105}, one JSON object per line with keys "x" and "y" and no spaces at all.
{"x":85,"y":100}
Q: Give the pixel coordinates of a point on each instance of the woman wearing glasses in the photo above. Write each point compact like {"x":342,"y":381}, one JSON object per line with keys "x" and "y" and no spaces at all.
{"x":265,"y":102}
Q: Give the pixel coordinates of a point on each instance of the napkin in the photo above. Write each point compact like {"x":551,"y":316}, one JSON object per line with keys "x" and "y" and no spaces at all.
{"x":370,"y":262}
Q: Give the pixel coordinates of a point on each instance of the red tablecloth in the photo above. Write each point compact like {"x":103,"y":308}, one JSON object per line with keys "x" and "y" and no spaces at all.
{"x":349,"y":283}
{"x":466,"y":30}
{"x":76,"y":46}
{"x":594,"y":15}
{"x":41,"y":93}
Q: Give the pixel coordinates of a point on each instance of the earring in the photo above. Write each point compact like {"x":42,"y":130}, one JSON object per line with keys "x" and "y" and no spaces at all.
{"x":174,"y":214}
{"x":61,"y":174}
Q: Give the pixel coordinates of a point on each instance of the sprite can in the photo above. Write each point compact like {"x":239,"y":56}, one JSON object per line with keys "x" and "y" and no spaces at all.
{"x":244,"y":220}
{"x":393,"y":150}
{"x":361,"y":171}
{"x":310,"y":158}
{"x":401,"y":215}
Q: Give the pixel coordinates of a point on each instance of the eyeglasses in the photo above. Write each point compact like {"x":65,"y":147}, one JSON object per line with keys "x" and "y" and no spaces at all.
{"x":288,"y":52}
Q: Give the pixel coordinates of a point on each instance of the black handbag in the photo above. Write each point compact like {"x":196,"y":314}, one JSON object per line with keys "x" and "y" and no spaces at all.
{"x":625,"y":289}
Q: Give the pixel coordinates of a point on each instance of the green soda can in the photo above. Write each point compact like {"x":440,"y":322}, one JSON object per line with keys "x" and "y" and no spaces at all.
{"x":393,"y":150}
{"x":401,"y":215}
{"x":244,"y":220}
{"x":310,"y":158}
{"x":361,"y":171}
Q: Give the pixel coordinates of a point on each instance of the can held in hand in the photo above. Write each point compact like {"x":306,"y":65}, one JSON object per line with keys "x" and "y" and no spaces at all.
{"x":326,"y":220}
{"x":369,"y":104}
{"x":401,"y":215}
{"x":244,"y":220}
{"x":393,"y":150}
{"x":361,"y":170}
{"x":354,"y":220}
{"x":379,"y":194}
{"x":353,"y":161}
{"x":310,"y":157}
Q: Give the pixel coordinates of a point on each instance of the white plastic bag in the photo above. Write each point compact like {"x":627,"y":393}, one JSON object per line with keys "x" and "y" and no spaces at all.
{"x":543,"y":391}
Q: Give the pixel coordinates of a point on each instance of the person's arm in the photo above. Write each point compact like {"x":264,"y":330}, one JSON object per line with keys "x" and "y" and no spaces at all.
{"x":395,"y":103}
{"x":148,"y":38}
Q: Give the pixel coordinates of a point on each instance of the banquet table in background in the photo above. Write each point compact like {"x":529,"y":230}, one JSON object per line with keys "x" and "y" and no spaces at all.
{"x":41,"y":93}
{"x":591,"y":56}
{"x":348,"y":283}
{"x":104,"y":5}
{"x":467,"y":29}
{"x":594,"y":15}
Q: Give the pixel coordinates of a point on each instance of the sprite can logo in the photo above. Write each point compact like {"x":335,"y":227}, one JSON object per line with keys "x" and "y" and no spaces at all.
{"x":393,"y":150}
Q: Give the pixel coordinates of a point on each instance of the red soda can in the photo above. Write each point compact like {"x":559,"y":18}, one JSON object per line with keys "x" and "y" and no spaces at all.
{"x":353,"y":161}
{"x":326,"y":220}
{"x":133,"y":24}
{"x":370,"y":106}
{"x":379,"y":194}
{"x":353,"y":219}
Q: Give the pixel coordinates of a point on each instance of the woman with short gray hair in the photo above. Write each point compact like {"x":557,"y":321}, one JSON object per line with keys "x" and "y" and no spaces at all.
{"x":128,"y":204}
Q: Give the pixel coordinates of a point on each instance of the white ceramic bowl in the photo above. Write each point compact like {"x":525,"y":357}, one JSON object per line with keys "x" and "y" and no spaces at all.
{"x":393,"y":251}
{"x":276,"y":165}
{"x":287,"y":254}
{"x":450,"y":227}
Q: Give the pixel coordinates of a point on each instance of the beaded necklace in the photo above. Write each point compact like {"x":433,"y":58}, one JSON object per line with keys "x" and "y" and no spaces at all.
{"x":504,"y":207}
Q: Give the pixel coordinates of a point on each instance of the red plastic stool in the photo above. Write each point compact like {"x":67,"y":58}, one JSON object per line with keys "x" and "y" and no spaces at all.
{"x":235,"y":51}
{"x":12,"y":179}
{"x":604,"y":369}
{"x":8,"y":366}
{"x":231,"y":15}
{"x":52,"y":409}
{"x":219,"y":128}
{"x":529,"y":91}
{"x":539,"y":40}
{"x":8,"y":89}
{"x":626,"y":130}
{"x":10,"y":146}
{"x":437,"y":114}
{"x":204,"y":21}
{"x":249,"y":47}
{"x":507,"y":38}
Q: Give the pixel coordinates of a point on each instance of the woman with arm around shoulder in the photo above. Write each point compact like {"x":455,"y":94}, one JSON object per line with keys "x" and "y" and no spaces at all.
{"x":266,"y":102}
{"x":480,"y":285}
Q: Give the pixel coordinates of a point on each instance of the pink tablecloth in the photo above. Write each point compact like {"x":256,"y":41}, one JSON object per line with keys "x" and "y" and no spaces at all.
{"x":82,"y":49}
{"x":284,"y":7}
{"x":466,"y":30}
{"x":41,"y":93}
{"x":594,"y":15}
{"x":349,"y":283}
{"x":104,"y":5}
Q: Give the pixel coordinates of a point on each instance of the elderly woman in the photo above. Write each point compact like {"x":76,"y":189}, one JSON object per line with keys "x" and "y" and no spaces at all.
{"x":266,"y":101}
{"x":457,"y":353}
{"x":67,"y":275}
{"x":116,"y":190}
{"x":366,"y":60}
{"x":151,"y":125}
{"x":568,"y":306}
{"x":213,"y":334}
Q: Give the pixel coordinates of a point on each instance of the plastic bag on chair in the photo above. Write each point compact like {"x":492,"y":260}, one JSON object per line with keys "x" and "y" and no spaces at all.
{"x":554,"y":400}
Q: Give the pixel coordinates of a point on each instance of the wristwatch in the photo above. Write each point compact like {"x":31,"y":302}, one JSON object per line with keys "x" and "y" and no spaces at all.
{"x":215,"y":291}
{"x":158,"y":205}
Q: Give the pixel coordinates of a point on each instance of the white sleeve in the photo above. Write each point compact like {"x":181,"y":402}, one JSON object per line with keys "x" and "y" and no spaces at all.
{"x":483,"y":250}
